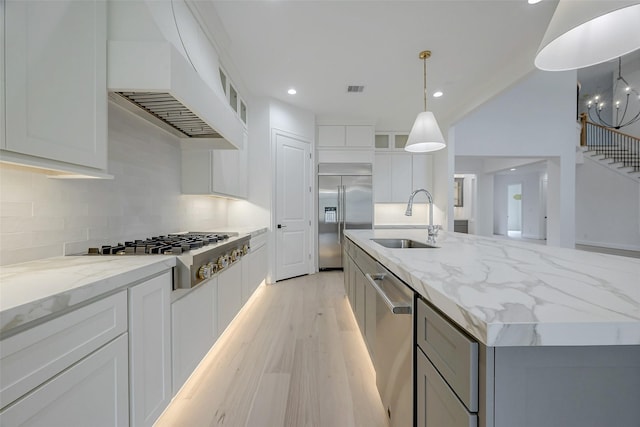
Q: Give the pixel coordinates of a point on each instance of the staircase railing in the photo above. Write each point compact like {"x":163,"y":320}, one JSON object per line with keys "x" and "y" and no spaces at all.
{"x":611,"y":143}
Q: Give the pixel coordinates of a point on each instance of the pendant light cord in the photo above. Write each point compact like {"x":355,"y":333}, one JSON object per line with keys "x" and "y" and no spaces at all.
{"x":425,"y":83}
{"x":424,"y":55}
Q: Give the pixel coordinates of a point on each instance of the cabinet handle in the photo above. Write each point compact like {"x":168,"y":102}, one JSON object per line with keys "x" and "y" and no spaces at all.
{"x":396,"y":308}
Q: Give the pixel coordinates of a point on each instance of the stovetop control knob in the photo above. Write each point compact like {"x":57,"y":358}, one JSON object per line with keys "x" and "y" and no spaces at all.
{"x":213,"y":267}
{"x":245,"y":249}
{"x":234,"y":255}
{"x":223,"y":262}
{"x":204,"y":272}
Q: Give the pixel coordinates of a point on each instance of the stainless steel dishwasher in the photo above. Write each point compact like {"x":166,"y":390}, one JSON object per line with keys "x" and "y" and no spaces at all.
{"x":393,"y":359}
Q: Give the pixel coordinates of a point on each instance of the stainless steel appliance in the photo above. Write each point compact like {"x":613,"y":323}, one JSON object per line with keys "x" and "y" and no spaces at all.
{"x":199,"y":255}
{"x":393,"y":345}
{"x":345,"y":201}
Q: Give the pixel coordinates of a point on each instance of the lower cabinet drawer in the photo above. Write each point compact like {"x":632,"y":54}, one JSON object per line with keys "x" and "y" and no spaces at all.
{"x":31,"y":357}
{"x":436,"y":404}
{"x":93,"y":392}
{"x":453,"y":354}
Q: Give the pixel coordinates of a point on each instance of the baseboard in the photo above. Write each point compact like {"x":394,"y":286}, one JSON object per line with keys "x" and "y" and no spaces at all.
{"x":533,"y":237}
{"x":608,"y":245}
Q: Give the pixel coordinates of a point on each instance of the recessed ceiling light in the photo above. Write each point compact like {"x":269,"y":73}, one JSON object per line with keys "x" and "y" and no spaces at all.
{"x":512,"y":169}
{"x":437,"y":94}
{"x":292,"y":91}
{"x":533,"y":1}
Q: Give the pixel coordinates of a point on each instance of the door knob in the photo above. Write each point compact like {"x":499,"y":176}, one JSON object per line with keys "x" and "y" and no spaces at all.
{"x":282,"y":226}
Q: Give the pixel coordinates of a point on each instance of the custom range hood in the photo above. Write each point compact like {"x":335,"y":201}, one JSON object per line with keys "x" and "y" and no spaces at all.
{"x":162,"y":68}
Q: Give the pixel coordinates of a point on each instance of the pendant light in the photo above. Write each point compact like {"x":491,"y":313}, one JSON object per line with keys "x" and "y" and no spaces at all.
{"x":425,"y":134}
{"x":585,"y":33}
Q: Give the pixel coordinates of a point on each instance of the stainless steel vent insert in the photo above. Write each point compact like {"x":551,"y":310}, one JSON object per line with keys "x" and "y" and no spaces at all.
{"x":172,"y":112}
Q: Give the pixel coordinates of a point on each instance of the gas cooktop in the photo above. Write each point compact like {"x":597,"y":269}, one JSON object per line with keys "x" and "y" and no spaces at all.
{"x":199,"y":255}
{"x":170,"y":244}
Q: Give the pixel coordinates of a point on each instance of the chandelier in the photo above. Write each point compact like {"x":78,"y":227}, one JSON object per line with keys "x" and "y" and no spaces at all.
{"x":624,"y":104}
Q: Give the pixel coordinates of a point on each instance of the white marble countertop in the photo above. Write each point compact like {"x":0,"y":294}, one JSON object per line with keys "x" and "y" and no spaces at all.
{"x":510,"y":293}
{"x":33,"y":290}
{"x":37,"y":289}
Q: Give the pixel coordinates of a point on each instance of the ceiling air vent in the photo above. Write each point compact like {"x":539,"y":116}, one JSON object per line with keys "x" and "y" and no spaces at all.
{"x":355,"y":89}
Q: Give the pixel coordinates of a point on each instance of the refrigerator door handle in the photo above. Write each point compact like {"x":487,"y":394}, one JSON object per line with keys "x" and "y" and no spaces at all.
{"x":339,"y":214}
{"x":344,"y":207}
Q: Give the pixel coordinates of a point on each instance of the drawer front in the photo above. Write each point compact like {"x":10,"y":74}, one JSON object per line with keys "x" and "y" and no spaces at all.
{"x":32,"y":357}
{"x":436,"y":404}
{"x":453,"y":354}
{"x":93,"y":392}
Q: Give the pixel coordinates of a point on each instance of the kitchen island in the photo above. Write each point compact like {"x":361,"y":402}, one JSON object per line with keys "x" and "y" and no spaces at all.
{"x":516,"y":334}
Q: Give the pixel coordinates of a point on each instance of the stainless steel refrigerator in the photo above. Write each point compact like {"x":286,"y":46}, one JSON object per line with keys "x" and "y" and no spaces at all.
{"x":345,"y":201}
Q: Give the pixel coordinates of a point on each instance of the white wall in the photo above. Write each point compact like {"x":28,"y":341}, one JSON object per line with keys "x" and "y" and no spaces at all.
{"x":534,"y":118}
{"x":42,"y":217}
{"x":607,"y":206}
{"x":267,"y":115}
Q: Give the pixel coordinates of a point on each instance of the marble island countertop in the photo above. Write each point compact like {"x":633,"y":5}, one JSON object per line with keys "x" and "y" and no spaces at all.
{"x":510,"y":293}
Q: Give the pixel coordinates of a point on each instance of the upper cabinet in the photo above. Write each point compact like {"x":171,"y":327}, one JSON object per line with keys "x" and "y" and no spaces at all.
{"x":238,"y":105}
{"x":396,"y":173}
{"x":213,"y":171}
{"x":391,"y":141}
{"x":349,"y":136}
{"x":54,"y":84}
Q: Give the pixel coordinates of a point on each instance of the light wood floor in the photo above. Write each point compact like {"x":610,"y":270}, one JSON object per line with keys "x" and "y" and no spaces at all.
{"x":292,"y":357}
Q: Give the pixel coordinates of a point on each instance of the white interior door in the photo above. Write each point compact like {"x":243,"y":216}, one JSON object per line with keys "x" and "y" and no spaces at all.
{"x":293,"y":199}
{"x":514,"y":209}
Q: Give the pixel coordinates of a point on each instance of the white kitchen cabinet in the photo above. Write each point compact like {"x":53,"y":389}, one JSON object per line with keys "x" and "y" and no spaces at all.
{"x":32,"y":357}
{"x":397,"y":174}
{"x":331,"y":136}
{"x":193,"y":330}
{"x":391,"y":140}
{"x":258,"y":267}
{"x":254,"y":266}
{"x":150,"y":349}
{"x":229,"y":172}
{"x":218,"y":172}
{"x":229,"y":295}
{"x":392,"y":177}
{"x":93,"y":392}
{"x":55,"y":84}
{"x":346,"y":136}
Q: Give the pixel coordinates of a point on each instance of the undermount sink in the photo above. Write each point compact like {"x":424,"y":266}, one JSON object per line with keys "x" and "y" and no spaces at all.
{"x":403,"y":244}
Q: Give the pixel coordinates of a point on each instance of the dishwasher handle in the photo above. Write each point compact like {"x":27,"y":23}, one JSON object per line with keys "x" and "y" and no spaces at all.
{"x":402,"y":307}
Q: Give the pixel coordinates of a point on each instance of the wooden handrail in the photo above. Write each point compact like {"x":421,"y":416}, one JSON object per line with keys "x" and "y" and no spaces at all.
{"x":584,"y":121}
{"x":611,"y":143}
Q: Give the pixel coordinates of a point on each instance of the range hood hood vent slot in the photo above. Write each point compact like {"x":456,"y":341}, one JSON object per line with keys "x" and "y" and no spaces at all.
{"x":171,"y":112}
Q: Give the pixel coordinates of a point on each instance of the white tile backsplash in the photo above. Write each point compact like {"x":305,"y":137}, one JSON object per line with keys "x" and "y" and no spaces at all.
{"x":42,"y":217}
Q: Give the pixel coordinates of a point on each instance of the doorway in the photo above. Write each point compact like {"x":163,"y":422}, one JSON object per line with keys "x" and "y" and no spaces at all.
{"x":293,"y":202}
{"x":514,"y":210}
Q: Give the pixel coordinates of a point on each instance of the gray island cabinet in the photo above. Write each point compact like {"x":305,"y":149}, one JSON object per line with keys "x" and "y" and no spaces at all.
{"x":510,"y":334}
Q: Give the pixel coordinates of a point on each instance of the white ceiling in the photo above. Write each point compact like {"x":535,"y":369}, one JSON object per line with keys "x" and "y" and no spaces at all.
{"x":320,"y":47}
